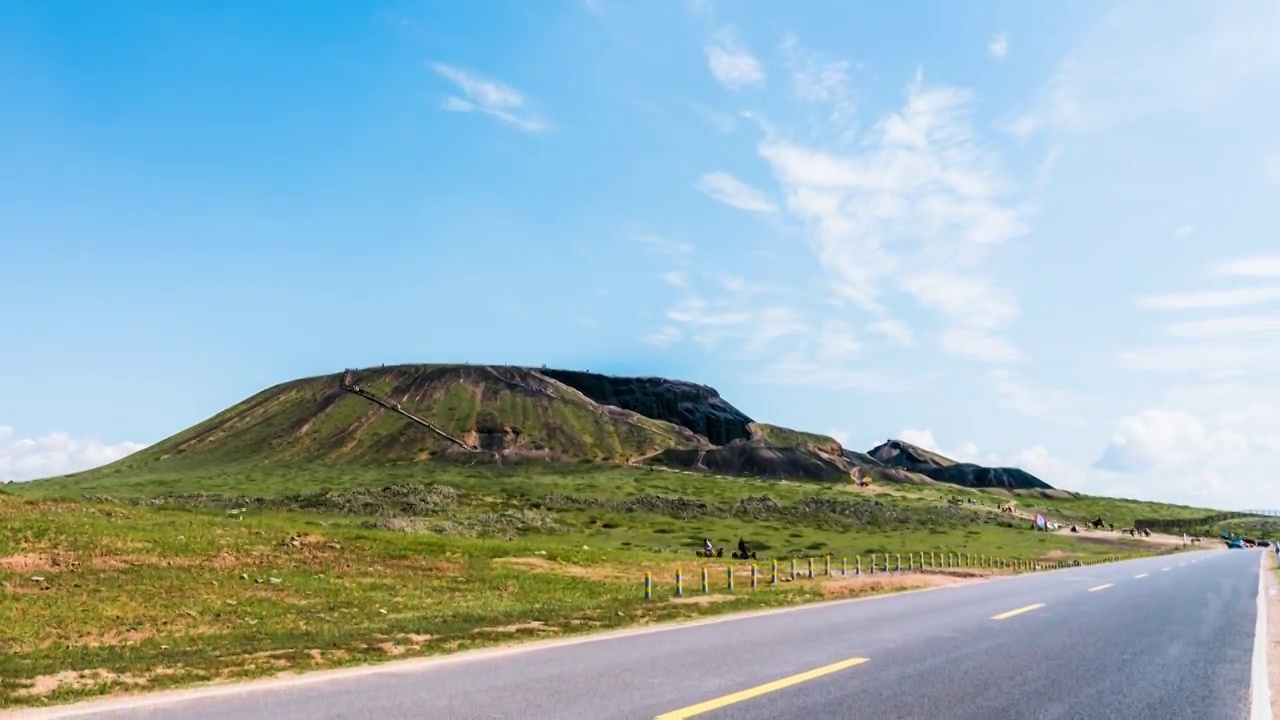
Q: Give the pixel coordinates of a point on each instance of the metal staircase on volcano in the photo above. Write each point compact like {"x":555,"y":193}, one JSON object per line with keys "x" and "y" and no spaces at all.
{"x":348,"y":384}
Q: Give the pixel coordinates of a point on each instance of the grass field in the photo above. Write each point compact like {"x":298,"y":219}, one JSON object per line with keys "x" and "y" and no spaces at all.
{"x":159,"y":584}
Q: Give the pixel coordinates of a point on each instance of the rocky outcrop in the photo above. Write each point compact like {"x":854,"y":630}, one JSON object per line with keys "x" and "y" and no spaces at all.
{"x":696,"y":407}
{"x":914,"y":459}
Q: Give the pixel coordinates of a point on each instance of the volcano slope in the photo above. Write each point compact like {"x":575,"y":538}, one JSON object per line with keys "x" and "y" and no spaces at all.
{"x":513,"y":415}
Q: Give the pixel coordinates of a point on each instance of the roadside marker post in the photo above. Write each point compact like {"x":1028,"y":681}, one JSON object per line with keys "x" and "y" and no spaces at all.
{"x":730,"y":578}
{"x":911,"y":562}
{"x":844,"y":567}
{"x":773,"y":575}
{"x":648,"y":586}
{"x":827,"y":560}
{"x":793,"y":569}
{"x":887,"y":569}
{"x":873,"y":563}
{"x":810,"y":568}
{"x":899,"y":562}
{"x":753,"y":576}
{"x":857,"y":567}
{"x":933,"y":564}
{"x":704,"y":580}
{"x":679,"y":583}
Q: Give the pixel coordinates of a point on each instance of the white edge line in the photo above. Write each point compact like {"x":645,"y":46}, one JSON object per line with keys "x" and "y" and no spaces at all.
{"x":1261,"y":691}
{"x":199,"y":692}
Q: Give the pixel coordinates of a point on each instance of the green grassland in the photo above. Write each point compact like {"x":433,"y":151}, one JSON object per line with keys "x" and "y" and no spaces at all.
{"x":159,"y":578}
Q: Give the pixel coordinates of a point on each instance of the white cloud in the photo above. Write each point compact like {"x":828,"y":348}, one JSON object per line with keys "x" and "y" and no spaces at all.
{"x":720,"y":121}
{"x":925,"y":194}
{"x":665,"y":337}
{"x":1156,"y":439}
{"x":1271,"y":165}
{"x":731,"y":62}
{"x":895,"y":331}
{"x":1258,"y":266}
{"x":1184,"y":230}
{"x":55,"y":454}
{"x":663,"y":246}
{"x":490,"y":97}
{"x":1208,"y":54}
{"x":920,"y":438}
{"x":820,"y":80}
{"x":453,"y":103}
{"x":1210,"y":299}
{"x":999,"y":46}
{"x":1016,"y":395}
{"x":676,"y":278}
{"x":839,"y":435}
{"x":733,"y":192}
{"x":797,"y":369}
{"x":1161,"y":455}
{"x":1208,"y":359}
{"x":1224,"y":327}
{"x":979,"y":344}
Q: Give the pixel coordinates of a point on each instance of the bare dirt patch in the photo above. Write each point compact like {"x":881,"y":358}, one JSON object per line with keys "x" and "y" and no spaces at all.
{"x":76,"y":679}
{"x":541,"y":564}
{"x":39,"y":562}
{"x":536,"y":625}
{"x":873,"y":584}
{"x":701,"y":599}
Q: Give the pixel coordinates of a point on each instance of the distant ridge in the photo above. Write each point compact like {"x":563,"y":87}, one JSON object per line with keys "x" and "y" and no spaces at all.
{"x":406,"y":414}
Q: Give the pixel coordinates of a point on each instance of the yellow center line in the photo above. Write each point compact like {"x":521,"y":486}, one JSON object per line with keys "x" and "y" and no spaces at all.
{"x":717,"y":703}
{"x":1101,"y":587}
{"x":1019,"y":611}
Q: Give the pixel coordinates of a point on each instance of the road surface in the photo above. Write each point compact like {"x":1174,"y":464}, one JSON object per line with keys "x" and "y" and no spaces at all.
{"x":1167,"y":638}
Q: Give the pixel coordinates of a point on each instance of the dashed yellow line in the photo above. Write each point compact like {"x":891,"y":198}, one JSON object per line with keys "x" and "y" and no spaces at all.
{"x":731,"y":699}
{"x":1019,"y":611}
{"x":1101,"y":587}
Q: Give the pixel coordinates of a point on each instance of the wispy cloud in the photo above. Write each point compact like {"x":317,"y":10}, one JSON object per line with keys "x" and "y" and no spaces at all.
{"x":733,"y":192}
{"x":820,"y":80}
{"x":731,"y":62}
{"x":1208,"y":53}
{"x":924,"y":193}
{"x":663,"y":246}
{"x":720,"y":121}
{"x":1022,"y":398}
{"x":665,"y":337}
{"x":1225,"y":327}
{"x":490,"y":97}
{"x":895,"y":331}
{"x":676,"y":278}
{"x":999,"y":46}
{"x":1258,"y":266}
{"x":1210,"y":299}
{"x":1184,"y":231}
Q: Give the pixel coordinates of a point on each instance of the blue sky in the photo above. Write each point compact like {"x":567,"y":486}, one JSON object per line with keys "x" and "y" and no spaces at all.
{"x":1032,"y":234}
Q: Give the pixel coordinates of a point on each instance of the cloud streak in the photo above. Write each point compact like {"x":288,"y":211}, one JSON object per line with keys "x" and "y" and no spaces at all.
{"x":490,"y":97}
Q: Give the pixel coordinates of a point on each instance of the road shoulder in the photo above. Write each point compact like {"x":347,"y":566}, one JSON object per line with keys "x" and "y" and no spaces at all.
{"x":1272,"y":600}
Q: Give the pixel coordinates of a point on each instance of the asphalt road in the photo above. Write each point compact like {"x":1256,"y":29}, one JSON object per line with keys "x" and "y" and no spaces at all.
{"x":1160,"y":638}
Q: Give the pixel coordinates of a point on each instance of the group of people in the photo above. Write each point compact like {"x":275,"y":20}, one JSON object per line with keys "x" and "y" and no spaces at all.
{"x":709,"y":549}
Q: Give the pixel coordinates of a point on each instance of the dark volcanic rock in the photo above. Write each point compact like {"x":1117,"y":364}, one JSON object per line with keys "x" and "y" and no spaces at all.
{"x":899,"y":454}
{"x":696,"y":407}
